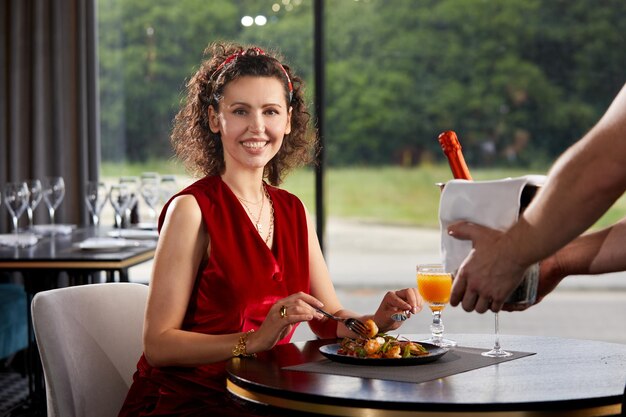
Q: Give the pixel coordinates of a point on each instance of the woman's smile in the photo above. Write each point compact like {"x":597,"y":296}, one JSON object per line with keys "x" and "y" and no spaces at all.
{"x":254,"y":144}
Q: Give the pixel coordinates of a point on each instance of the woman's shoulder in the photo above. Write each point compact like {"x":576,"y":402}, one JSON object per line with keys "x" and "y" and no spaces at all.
{"x":192,"y":197}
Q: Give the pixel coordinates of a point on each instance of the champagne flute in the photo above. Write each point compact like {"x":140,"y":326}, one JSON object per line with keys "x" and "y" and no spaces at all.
{"x":119,"y":196}
{"x":96,"y":195}
{"x":497,"y":351}
{"x":53,"y":193}
{"x":36,"y":193}
{"x":16,"y":198}
{"x":435,"y":284}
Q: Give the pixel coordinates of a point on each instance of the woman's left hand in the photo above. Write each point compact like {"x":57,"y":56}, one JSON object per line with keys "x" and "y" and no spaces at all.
{"x":407,"y":300}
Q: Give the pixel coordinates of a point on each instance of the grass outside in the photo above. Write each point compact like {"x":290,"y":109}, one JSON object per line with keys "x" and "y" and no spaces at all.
{"x":397,"y":195}
{"x":391,"y":195}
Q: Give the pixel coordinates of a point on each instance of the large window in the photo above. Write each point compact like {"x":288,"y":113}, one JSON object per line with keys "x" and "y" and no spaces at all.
{"x":518,"y":80}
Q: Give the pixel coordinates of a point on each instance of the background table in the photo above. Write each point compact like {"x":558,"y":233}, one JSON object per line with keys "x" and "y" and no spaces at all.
{"x":566,"y":377}
{"x":42,"y":265}
{"x":58,"y":253}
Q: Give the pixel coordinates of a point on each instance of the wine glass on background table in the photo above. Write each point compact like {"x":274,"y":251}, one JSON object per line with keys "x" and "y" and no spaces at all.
{"x":53,"y":193}
{"x":15,"y":196}
{"x":434,"y":285}
{"x":150,"y":191}
{"x":119,"y":196}
{"x":96,"y":196}
{"x":36,"y":194}
{"x":169,"y":187}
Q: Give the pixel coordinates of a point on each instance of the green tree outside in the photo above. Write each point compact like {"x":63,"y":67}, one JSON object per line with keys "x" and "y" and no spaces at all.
{"x":519,"y":80}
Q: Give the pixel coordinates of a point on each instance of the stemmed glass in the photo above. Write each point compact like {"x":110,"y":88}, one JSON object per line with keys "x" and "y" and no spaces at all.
{"x":435,"y":284}
{"x":150,"y":191}
{"x":497,"y":351}
{"x":119,"y":196}
{"x":16,"y":198}
{"x":168,"y":187}
{"x":53,"y":193}
{"x":35,"y":188}
{"x":132,"y":184}
{"x":96,"y":195}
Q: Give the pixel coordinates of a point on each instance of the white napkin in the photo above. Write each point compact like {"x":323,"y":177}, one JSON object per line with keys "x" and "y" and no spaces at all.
{"x":57,"y":229}
{"x":134,"y":233}
{"x":22,"y":240}
{"x":494,"y":204}
{"x":107,"y":243}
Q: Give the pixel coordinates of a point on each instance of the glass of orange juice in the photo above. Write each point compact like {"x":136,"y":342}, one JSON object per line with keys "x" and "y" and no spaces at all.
{"x":435,"y":284}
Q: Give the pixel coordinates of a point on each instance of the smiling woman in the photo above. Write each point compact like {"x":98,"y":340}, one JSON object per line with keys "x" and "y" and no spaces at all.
{"x":238,"y":265}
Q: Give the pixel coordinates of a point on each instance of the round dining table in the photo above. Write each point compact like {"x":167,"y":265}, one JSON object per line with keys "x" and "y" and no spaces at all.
{"x":556,"y":377}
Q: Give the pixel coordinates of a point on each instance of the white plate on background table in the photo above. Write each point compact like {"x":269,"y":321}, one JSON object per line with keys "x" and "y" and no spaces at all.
{"x":107,"y":243}
{"x":134,"y":234}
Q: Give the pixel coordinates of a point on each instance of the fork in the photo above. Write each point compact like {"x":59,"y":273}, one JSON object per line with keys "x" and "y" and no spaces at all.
{"x":355,"y":325}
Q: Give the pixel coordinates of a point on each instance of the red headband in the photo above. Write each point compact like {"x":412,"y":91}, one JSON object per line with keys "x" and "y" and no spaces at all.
{"x":259,"y":51}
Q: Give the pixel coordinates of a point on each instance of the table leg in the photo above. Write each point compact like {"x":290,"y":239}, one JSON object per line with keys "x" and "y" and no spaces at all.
{"x":123,"y":273}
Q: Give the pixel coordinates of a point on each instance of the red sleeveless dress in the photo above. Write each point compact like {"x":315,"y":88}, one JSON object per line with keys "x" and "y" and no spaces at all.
{"x":233,"y":292}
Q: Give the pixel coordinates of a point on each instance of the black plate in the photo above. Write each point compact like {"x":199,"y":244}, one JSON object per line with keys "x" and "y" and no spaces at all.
{"x":434,"y":353}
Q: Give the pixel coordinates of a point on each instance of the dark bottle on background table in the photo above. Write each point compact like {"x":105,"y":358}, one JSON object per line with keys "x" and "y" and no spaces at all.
{"x":134,"y":218}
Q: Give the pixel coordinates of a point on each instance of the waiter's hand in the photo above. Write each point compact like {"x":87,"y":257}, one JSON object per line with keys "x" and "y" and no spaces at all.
{"x":488,"y":275}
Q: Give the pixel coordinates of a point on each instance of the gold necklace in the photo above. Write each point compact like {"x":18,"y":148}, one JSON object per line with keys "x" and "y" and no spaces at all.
{"x":252,"y":202}
{"x":257,"y":221}
{"x":271,"y":226}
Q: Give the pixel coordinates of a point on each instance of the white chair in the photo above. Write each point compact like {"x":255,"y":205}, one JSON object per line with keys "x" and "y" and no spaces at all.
{"x":90,"y":339}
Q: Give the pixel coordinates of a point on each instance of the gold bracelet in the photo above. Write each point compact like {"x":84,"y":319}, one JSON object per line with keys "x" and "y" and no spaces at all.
{"x":240,"y":347}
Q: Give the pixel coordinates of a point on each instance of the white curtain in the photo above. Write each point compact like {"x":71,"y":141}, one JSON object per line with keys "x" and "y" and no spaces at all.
{"x":49,"y":98}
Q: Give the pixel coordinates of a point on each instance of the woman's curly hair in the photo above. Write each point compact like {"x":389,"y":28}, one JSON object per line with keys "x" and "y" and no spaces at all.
{"x":200,"y":149}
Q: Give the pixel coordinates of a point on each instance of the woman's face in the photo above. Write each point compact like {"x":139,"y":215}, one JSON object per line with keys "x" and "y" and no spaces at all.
{"x":252,"y":121}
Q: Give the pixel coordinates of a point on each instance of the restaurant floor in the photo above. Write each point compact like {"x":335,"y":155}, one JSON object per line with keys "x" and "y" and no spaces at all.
{"x":13,"y":387}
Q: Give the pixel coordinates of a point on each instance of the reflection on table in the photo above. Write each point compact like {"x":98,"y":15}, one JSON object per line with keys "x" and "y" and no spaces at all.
{"x":565,"y":377}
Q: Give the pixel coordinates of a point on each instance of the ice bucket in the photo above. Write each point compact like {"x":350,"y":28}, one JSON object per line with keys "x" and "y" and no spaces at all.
{"x":496,"y":204}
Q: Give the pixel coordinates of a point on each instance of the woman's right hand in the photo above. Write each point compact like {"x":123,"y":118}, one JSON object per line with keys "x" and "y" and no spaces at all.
{"x":296,"y":308}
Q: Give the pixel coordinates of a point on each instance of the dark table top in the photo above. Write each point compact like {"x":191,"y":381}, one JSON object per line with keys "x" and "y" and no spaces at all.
{"x":565,"y":377}
{"x":60,"y":252}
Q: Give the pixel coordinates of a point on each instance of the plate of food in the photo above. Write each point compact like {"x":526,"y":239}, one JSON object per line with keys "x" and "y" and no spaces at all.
{"x":382,"y":349}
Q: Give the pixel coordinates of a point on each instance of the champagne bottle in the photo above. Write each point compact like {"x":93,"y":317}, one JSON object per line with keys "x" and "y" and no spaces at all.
{"x":452,"y":149}
{"x":526,"y":292}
